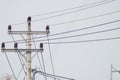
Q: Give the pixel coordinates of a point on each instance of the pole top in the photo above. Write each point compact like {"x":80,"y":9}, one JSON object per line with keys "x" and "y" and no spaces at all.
{"x":29,"y":19}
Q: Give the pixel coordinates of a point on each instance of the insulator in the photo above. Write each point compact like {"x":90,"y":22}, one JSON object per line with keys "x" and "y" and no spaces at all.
{"x":29,"y":24}
{"x":15,"y":45}
{"x":29,"y":19}
{"x":47,"y":28}
{"x":9,"y":28}
{"x":41,"y":45}
{"x":3,"y":45}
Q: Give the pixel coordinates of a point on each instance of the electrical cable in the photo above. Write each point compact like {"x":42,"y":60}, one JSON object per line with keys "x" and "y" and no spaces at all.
{"x":50,"y":75}
{"x":22,"y":64}
{"x":65,"y":9}
{"x":19,"y":59}
{"x":23,"y":37}
{"x":101,"y":31}
{"x":75,"y":30}
{"x":51,"y":59}
{"x":10,"y":66}
{"x":84,"y":41}
{"x":19,"y":73}
{"x":84,"y":18}
{"x":70,"y":12}
{"x":104,"y":2}
{"x":37,"y":54}
{"x":43,"y":65}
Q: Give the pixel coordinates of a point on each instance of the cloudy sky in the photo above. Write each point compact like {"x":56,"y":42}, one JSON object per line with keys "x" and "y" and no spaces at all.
{"x":80,"y":60}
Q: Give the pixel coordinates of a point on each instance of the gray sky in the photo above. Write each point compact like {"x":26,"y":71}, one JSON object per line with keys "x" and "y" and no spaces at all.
{"x":86,"y":61}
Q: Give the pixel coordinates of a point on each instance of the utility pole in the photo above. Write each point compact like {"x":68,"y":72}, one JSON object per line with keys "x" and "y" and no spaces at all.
{"x":28,"y":49}
{"x":111,"y":73}
{"x":114,"y":71}
{"x":28,"y":53}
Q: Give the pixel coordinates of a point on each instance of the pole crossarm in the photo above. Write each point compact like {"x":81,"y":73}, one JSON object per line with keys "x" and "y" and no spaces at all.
{"x":29,"y":32}
{"x":21,"y":50}
{"x":116,"y":71}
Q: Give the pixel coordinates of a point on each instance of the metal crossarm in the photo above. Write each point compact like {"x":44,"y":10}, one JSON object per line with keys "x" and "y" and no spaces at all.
{"x":21,"y":50}
{"x":29,"y":32}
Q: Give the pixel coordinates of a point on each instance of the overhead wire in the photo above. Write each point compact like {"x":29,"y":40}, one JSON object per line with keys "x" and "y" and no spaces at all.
{"x":51,"y":56}
{"x":71,"y":11}
{"x":43,"y":65}
{"x":23,"y":37}
{"x":65,"y":9}
{"x":100,"y":3}
{"x":57,"y":77}
{"x":22,"y":64}
{"x":20,"y":71}
{"x":85,"y":41}
{"x":65,"y":37}
{"x":37,"y":55}
{"x":75,"y":30}
{"x":84,"y":18}
{"x":10,"y":66}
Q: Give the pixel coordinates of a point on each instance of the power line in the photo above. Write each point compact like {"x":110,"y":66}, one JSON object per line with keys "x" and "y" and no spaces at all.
{"x":22,"y":64}
{"x":65,"y":9}
{"x":75,"y":30}
{"x":51,"y":58}
{"x":101,"y":31}
{"x":85,"y":18}
{"x":10,"y":66}
{"x":19,"y":57}
{"x":37,"y":55}
{"x":95,"y":4}
{"x":71,"y":11}
{"x":43,"y":65}
{"x":84,"y":41}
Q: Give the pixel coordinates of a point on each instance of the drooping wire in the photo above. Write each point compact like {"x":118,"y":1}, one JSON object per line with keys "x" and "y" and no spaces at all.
{"x":23,"y":37}
{"x":51,"y":58}
{"x":10,"y":66}
{"x":75,"y":30}
{"x":100,"y":3}
{"x":84,"y":41}
{"x":65,"y":37}
{"x":70,"y":12}
{"x":19,"y":59}
{"x":21,"y":62}
{"x":19,"y":73}
{"x":57,"y":77}
{"x":65,"y":9}
{"x":43,"y":65}
{"x":37,"y":54}
{"x":84,"y":18}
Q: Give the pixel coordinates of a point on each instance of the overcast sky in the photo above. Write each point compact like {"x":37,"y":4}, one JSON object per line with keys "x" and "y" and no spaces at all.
{"x":80,"y":61}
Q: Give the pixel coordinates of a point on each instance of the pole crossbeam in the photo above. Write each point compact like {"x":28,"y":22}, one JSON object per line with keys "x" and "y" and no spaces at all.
{"x":21,"y":50}
{"x":29,"y":32}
